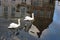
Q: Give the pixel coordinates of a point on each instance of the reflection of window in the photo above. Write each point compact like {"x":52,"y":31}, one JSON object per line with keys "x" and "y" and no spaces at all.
{"x":45,"y":2}
{"x":28,"y":9}
{"x":13,"y":11}
{"x":6,"y":11}
{"x":41,"y":13}
{"x":13,"y":0}
{"x":48,"y":14}
{"x":23,"y":1}
{"x":22,"y":12}
{"x":35,"y":12}
{"x":5,"y":0}
{"x":0,"y":2}
{"x":36,"y":3}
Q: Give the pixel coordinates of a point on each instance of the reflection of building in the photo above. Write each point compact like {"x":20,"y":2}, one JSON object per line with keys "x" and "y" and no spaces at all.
{"x":39,"y":7}
{"x":8,"y":8}
{"x":44,"y":10}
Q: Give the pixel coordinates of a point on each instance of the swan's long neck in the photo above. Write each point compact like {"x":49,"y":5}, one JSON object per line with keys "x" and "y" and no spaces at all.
{"x":33,"y":15}
{"x":19,"y":22}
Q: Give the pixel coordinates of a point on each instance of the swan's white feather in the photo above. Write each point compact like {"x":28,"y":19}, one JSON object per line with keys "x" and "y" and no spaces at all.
{"x":13,"y":25}
{"x":28,"y":18}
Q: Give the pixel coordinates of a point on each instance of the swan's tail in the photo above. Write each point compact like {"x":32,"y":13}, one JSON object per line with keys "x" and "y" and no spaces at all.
{"x":9,"y":27}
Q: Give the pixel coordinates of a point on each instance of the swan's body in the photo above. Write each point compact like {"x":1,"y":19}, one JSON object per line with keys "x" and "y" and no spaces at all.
{"x":14,"y":25}
{"x":29,"y":18}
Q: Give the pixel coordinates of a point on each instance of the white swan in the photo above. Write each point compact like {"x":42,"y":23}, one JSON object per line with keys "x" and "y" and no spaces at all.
{"x":29,"y":18}
{"x":14,"y":25}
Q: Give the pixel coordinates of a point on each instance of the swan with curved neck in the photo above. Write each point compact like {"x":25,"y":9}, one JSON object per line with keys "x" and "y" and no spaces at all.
{"x":29,"y":18}
{"x":14,"y":25}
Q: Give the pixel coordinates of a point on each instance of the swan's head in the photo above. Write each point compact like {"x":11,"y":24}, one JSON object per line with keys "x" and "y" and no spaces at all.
{"x":32,"y":13}
{"x":18,"y":20}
